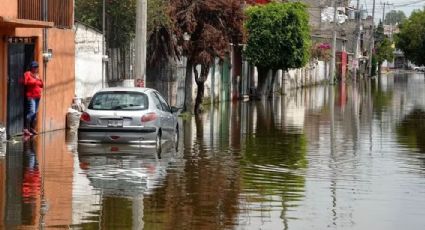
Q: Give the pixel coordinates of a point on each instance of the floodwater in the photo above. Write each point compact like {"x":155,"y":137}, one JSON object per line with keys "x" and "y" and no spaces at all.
{"x":342,"y":157}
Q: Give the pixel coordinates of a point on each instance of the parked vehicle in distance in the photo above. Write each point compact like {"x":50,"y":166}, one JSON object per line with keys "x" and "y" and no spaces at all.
{"x":419,"y":68}
{"x":139,"y":116}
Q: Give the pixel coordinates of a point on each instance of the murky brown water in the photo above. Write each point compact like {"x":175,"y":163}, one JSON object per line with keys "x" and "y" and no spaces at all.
{"x":285,"y":164}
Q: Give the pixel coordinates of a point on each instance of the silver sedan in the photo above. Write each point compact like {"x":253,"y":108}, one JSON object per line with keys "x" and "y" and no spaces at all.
{"x":139,"y":116}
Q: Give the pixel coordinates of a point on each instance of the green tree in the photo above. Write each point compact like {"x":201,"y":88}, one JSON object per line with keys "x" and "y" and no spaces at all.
{"x":379,"y":33}
{"x":384,"y":52}
{"x":411,"y":39}
{"x":212,"y":26}
{"x":278,"y":38}
{"x":394,"y":17}
{"x":120,"y":19}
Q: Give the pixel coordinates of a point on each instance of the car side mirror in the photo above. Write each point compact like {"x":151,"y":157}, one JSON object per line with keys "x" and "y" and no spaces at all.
{"x":174,"y":109}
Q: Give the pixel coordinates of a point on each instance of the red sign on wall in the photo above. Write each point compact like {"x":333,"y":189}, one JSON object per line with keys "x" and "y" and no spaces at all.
{"x":253,"y":2}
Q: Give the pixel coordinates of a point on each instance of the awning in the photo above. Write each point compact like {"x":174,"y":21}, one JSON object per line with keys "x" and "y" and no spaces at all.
{"x":23,"y":23}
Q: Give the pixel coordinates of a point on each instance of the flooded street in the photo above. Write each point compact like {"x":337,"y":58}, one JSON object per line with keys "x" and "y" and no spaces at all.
{"x":341,"y":157}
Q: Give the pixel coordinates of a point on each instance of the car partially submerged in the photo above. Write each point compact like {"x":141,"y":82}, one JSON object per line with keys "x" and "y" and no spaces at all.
{"x":138,"y":116}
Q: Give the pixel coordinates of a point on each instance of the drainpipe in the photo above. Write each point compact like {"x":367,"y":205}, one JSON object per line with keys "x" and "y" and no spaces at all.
{"x":45,"y":60}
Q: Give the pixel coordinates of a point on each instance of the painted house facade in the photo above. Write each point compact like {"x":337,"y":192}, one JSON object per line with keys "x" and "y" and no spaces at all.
{"x":88,"y":60}
{"x":22,"y":40}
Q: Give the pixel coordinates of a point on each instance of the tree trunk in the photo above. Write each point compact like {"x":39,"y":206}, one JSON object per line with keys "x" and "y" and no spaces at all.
{"x":262,"y":83}
{"x":271,"y":86}
{"x":379,"y":69}
{"x":200,"y":82}
{"x":188,"y":104}
{"x":162,"y":77}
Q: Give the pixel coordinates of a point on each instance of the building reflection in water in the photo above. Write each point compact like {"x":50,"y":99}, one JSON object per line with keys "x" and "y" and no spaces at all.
{"x":23,"y":185}
{"x":37,"y":188}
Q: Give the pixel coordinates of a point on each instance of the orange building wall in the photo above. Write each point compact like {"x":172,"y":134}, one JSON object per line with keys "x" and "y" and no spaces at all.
{"x":60,"y":78}
{"x":9,"y":8}
{"x":3,"y":72}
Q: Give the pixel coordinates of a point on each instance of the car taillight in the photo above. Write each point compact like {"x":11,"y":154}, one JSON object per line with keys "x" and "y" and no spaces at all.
{"x":85,"y":117}
{"x":149,"y":117}
{"x":115,"y":149}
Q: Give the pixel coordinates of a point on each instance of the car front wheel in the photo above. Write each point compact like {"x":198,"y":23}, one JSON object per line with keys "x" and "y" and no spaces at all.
{"x":176,"y":138}
{"x":158,"y":142}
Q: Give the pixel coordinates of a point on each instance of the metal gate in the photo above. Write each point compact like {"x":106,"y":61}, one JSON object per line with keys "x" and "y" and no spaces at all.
{"x":225,"y":80}
{"x":20,"y":55}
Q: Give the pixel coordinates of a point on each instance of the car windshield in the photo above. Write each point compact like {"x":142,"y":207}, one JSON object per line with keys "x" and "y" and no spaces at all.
{"x":119,"y":100}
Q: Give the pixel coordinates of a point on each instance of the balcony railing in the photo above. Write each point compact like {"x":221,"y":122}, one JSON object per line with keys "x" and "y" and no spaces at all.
{"x":60,"y":12}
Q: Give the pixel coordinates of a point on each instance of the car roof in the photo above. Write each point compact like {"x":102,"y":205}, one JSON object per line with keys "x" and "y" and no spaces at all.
{"x":126,"y":89}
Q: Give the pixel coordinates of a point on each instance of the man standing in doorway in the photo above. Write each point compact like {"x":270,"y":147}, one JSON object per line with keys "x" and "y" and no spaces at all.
{"x":33,"y":88}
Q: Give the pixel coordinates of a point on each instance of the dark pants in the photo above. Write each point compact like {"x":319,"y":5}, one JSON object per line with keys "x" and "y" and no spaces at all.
{"x":32,"y":109}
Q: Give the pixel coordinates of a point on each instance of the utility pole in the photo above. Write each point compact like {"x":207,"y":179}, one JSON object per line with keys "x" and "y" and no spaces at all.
{"x":356,"y":51}
{"x":372,"y":39}
{"x":141,"y":31}
{"x":103,"y":42}
{"x":383,"y":13}
{"x":332,"y":70}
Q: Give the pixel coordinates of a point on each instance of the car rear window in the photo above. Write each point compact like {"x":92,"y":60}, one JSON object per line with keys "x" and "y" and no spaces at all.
{"x":119,"y":100}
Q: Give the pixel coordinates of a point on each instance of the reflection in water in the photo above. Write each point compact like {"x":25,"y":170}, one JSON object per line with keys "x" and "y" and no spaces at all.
{"x":31,"y":178}
{"x":31,"y":183}
{"x":118,"y":176}
{"x":24,"y":184}
{"x":412,"y":129}
{"x":37,"y":192}
{"x":270,"y":167}
{"x":201,"y":189}
{"x":348,"y":156}
{"x":411,"y":133}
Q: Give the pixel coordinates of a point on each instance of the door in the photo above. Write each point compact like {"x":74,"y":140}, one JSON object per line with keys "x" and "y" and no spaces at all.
{"x":167,"y":117}
{"x":20,"y":56}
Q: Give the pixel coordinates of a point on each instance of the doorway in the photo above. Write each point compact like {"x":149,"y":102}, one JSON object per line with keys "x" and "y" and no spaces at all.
{"x":20,"y":55}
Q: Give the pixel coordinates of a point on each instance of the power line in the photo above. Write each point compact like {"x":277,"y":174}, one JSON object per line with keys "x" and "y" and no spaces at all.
{"x":410,"y":3}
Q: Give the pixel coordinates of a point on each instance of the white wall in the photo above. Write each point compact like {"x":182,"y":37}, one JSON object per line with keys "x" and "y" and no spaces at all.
{"x":88,"y":60}
{"x":313,"y":73}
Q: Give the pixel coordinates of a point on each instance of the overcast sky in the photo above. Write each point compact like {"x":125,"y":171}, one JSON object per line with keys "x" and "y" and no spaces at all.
{"x":405,"y":5}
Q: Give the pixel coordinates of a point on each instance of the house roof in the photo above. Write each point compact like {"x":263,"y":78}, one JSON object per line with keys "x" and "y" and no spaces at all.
{"x":87,"y":26}
{"x":23,"y":23}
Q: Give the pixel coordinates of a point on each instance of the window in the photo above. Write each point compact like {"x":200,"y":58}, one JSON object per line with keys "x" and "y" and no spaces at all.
{"x":156,"y":101}
{"x":164,"y":103}
{"x":119,"y":100}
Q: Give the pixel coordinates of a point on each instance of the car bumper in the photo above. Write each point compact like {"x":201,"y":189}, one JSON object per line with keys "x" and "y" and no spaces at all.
{"x":115,"y":149}
{"x":129,"y":135}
